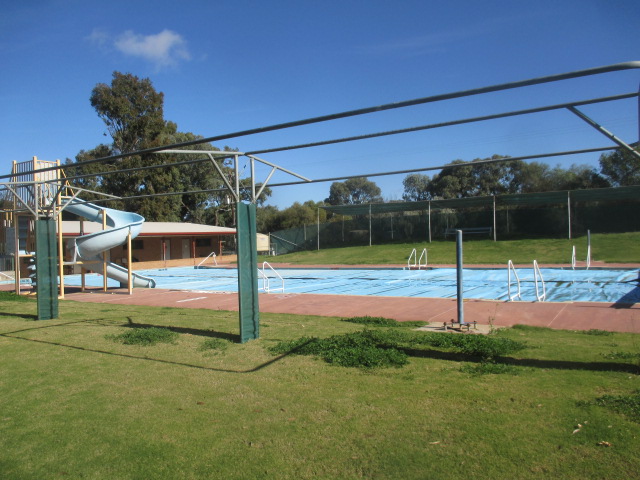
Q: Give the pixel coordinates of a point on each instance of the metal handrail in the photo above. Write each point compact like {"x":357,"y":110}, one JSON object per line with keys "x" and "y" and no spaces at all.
{"x":414,"y":255}
{"x":511,"y":267}
{"x":588,"y":256}
{"x":538,"y":275}
{"x":265,"y":278}
{"x":212,"y":254}
{"x":573,"y":258}
{"x":420,"y":264}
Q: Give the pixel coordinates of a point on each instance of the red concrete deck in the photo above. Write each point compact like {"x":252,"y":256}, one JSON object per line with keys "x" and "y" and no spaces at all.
{"x":561,"y":315}
{"x":565,"y":315}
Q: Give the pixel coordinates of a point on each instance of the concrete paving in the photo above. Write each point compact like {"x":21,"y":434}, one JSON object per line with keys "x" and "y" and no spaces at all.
{"x":565,"y":315}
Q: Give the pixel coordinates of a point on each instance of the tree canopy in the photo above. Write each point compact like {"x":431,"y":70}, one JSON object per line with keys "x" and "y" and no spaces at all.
{"x":621,"y":167}
{"x":354,"y":191}
{"x":479,"y":178}
{"x":132,"y":111}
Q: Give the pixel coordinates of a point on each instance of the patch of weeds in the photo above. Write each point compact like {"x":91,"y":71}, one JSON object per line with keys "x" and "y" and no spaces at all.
{"x":628,"y":405}
{"x":483,"y":346}
{"x":145,"y":336}
{"x":384,"y":322}
{"x":621,"y":355}
{"x":364,"y":349}
{"x":595,"y":331}
{"x":12,"y":297}
{"x":214,"y":345}
{"x":386,"y":348}
{"x":529,"y":328}
{"x":492,"y":368}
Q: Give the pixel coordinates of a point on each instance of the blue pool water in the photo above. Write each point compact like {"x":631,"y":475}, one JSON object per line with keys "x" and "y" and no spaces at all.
{"x":598,"y":285}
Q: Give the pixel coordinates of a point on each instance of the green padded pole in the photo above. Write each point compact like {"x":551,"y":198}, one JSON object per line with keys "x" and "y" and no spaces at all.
{"x":247,"y":272}
{"x":47,"y":269}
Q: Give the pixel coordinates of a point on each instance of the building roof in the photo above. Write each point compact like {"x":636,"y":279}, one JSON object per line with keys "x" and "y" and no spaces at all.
{"x":152,"y":229}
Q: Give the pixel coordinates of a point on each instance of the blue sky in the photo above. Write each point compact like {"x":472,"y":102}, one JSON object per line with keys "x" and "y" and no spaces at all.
{"x":226,"y":66}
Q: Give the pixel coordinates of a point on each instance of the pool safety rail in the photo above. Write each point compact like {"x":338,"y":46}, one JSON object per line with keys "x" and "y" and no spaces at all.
{"x":417,"y":262}
{"x":211,"y":255}
{"x":512,"y":268}
{"x":266,"y":287}
{"x":537,"y":275}
{"x":537,"y":280}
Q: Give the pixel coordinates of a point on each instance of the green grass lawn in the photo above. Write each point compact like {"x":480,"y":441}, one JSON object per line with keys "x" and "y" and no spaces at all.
{"x":77,"y":401}
{"x":614,"y":247}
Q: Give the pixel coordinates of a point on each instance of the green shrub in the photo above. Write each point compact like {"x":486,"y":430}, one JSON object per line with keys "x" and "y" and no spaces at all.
{"x":620,"y":355}
{"x":214,"y":345}
{"x":595,"y":331}
{"x":626,"y":404}
{"x":384,"y":322}
{"x":12,"y":297}
{"x":145,"y":336}
{"x":385,"y":348}
{"x":364,"y":349}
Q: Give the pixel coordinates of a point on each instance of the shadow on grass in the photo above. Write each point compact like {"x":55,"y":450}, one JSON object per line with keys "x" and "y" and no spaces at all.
{"x":205,"y":333}
{"x":26,"y":316}
{"x":232,"y":337}
{"x":527,"y":362}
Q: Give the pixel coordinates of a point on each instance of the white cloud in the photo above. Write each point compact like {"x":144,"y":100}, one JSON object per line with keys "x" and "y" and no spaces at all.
{"x":165,"y":49}
{"x":98,"y":37}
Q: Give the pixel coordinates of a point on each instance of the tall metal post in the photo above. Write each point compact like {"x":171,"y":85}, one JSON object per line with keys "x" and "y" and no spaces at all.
{"x":569,"y":212}
{"x":318,"y":229}
{"x":369,"y":224}
{"x":494,"y":219}
{"x":460,"y":290}
{"x":429,"y":221}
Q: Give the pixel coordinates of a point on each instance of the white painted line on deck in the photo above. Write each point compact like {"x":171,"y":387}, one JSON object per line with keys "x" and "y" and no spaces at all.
{"x":190,"y":299}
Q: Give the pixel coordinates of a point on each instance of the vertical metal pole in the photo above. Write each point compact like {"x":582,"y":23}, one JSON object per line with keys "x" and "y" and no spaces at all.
{"x":392,"y":226}
{"x":369,"y":224}
{"x":429,"y":221}
{"x":569,"y":212}
{"x":104,"y":255}
{"x":318,"y":229}
{"x":60,"y":244}
{"x":237,"y":182}
{"x":343,"y":228}
{"x":253,"y":182}
{"x":83,"y":271}
{"x":129,"y":266}
{"x":494,"y":218}
{"x":460,"y":290}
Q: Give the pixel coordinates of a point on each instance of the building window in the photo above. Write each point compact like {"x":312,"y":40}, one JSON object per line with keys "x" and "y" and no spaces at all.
{"x":135,"y":245}
{"x":203,"y":242}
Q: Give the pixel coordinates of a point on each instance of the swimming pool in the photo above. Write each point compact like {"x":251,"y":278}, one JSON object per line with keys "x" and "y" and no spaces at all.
{"x":601,"y":285}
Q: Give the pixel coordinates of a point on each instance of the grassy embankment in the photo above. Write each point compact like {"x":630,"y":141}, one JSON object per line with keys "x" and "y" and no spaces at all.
{"x":76,"y":402}
{"x":614,"y":247}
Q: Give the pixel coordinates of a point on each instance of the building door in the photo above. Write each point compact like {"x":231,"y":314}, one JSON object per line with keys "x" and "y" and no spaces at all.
{"x":186,"y":243}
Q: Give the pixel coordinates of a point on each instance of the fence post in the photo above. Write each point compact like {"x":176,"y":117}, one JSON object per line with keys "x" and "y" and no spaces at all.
{"x":569,"y":212}
{"x":429,"y":221}
{"x":369,"y":224}
{"x":494,"y":219}
{"x":318,"y":229}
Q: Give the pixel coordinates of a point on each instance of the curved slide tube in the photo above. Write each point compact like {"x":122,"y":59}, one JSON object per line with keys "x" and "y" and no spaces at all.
{"x":90,"y":247}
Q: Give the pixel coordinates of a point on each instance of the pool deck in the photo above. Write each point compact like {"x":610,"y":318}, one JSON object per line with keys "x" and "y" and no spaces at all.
{"x":558,"y":315}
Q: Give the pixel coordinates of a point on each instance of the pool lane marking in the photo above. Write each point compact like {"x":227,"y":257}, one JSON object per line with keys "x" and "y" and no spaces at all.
{"x":190,"y":299}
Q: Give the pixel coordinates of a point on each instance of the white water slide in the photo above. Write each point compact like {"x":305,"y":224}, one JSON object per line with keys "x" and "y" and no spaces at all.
{"x":90,"y":247}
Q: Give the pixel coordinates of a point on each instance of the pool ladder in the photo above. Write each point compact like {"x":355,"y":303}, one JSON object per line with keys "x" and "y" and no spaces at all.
{"x":265,"y":278}
{"x":417,"y":262}
{"x":211,"y":255}
{"x":573,"y":257}
{"x":537,"y":278}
